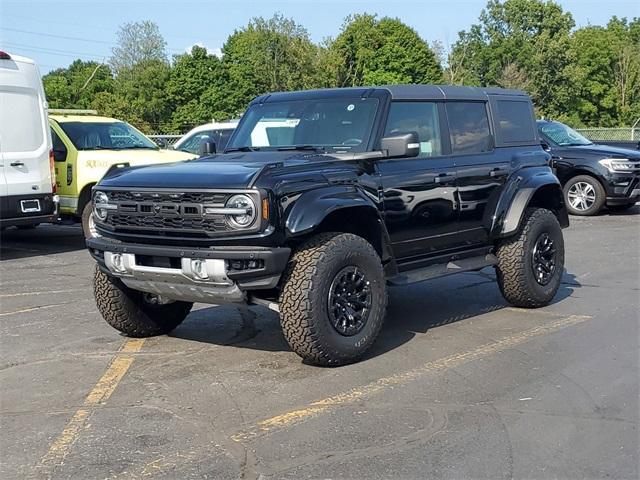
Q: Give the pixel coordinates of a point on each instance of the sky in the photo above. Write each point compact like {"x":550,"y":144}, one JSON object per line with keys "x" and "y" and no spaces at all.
{"x":56,"y":32}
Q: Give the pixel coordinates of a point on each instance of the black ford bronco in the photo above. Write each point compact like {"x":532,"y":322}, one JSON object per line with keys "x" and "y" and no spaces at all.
{"x":322,"y":198}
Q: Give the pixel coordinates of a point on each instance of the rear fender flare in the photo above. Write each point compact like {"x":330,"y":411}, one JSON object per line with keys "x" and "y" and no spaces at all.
{"x":518,"y":195}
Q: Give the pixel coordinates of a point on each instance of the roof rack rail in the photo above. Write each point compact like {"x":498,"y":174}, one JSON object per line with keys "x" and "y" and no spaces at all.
{"x":71,"y":111}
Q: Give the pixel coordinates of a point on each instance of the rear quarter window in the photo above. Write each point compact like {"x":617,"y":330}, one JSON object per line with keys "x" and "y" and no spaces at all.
{"x":515,"y":121}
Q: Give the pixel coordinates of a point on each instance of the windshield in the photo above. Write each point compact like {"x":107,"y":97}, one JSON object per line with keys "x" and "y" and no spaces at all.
{"x":105,"y":136}
{"x":562,"y":135}
{"x":323,"y":124}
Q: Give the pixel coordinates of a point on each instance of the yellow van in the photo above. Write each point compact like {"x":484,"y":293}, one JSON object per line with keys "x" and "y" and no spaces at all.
{"x":85,"y":146}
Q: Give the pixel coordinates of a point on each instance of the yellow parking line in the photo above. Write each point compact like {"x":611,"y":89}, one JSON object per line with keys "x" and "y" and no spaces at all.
{"x":119,"y":366}
{"x":295,"y":416}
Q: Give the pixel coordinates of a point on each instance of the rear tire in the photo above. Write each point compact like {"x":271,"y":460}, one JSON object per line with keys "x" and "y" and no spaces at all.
{"x":127,"y":310}
{"x":320,"y":319}
{"x":584,"y":195}
{"x":528,"y":274}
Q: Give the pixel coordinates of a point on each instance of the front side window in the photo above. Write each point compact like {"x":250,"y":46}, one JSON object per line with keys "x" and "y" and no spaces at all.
{"x":326,"y":124}
{"x":469,"y":127}
{"x":105,"y":136}
{"x":562,"y":135}
{"x":516,"y":121}
{"x":219,"y":137}
{"x":418,"y":117}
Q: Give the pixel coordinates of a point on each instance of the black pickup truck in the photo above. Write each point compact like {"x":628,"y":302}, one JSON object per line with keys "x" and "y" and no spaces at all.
{"x":320,"y":200}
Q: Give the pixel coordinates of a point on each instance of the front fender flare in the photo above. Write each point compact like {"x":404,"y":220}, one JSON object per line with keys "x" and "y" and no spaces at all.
{"x":312,"y":207}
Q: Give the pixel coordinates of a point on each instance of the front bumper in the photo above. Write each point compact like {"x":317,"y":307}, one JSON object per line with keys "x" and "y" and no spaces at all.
{"x":208,"y":275}
{"x":623,"y":188}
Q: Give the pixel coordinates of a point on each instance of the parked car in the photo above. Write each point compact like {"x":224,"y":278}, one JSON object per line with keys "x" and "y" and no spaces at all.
{"x":86,"y":146}
{"x":355,"y":188}
{"x":195,"y":140}
{"x":592,"y":176}
{"x":27,"y":185}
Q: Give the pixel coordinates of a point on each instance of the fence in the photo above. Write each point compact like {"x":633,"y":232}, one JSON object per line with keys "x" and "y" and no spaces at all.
{"x":626,"y":134}
{"x":165,"y":140}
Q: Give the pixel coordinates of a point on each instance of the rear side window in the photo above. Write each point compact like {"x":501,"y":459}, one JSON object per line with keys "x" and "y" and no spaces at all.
{"x":515,"y":121}
{"x":21,"y":121}
{"x":469,"y":127}
{"x":418,"y":117}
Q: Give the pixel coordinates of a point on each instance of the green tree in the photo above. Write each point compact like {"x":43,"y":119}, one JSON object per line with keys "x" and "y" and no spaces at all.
{"x":267,"y":55}
{"x":138,"y":42}
{"x":139,"y":97}
{"x":372,"y":51}
{"x":77,"y":85}
{"x":608,"y":66}
{"x":529,"y":38}
{"x":196,"y":80}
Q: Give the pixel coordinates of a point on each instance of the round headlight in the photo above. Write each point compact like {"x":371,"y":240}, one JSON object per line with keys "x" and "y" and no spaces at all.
{"x":245,"y":219}
{"x":100,"y":198}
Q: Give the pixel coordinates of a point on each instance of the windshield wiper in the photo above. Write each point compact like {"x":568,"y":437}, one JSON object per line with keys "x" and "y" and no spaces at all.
{"x":242,"y":149}
{"x":315,"y":148}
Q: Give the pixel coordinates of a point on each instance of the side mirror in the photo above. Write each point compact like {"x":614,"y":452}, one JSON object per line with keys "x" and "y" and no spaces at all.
{"x":403,"y":145}
{"x":207,"y":148}
{"x":59,"y":155}
{"x":545,"y":146}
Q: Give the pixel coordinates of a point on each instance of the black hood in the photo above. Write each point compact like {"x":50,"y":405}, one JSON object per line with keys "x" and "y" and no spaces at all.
{"x":231,"y":170}
{"x":603,"y":151}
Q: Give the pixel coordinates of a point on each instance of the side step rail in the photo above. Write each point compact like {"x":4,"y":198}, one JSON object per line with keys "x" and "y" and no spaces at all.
{"x":442,"y":269}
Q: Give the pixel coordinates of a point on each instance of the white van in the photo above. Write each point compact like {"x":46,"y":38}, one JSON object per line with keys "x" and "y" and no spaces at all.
{"x":27,"y":183}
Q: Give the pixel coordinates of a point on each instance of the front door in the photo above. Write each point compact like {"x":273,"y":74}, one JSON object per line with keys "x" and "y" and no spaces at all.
{"x":481,"y":169}
{"x":419,"y":192}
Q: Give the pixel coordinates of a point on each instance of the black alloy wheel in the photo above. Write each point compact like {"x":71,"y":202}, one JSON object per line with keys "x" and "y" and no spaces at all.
{"x":349,"y":301}
{"x":544,"y":259}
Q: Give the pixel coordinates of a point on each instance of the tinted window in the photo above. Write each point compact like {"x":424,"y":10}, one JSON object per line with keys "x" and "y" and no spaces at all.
{"x":57,"y":142}
{"x":418,"y":117}
{"x":219,"y":137}
{"x":516,"y":121}
{"x":469,"y":127}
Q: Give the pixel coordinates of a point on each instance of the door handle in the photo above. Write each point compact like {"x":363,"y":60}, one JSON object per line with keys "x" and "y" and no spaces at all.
{"x":498,"y":172}
{"x":17,"y":163}
{"x":443,"y":177}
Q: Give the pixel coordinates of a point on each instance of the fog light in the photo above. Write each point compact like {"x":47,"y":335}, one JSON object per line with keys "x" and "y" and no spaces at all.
{"x":199,"y":269}
{"x":118,"y":263}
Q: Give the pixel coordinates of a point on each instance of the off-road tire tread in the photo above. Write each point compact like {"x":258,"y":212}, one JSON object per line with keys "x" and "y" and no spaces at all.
{"x":512,"y":271}
{"x":122,"y":312}
{"x":295,"y":304}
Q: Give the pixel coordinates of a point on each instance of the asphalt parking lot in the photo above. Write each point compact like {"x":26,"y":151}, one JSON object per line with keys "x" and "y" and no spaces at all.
{"x":460,"y":385}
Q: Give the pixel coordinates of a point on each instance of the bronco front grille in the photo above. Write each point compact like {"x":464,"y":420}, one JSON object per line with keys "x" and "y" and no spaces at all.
{"x":169,"y":213}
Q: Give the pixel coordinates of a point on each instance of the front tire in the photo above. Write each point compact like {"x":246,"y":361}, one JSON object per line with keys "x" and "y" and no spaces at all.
{"x":584,"y":195}
{"x":88,"y":227}
{"x":333,"y":299}
{"x":531,"y":263}
{"x":130,"y":312}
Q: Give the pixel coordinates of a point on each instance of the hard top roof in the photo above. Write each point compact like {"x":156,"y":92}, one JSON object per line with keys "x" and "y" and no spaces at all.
{"x":397,"y":92}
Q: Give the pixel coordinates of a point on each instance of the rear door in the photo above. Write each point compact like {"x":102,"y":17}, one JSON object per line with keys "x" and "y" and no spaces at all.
{"x":481,"y":169}
{"x":419,"y":192}
{"x":25,"y":140}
